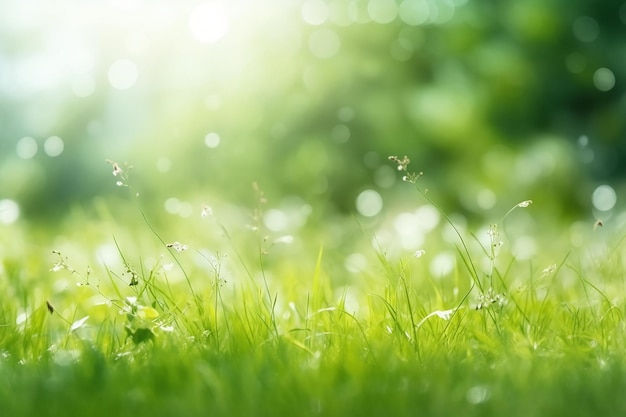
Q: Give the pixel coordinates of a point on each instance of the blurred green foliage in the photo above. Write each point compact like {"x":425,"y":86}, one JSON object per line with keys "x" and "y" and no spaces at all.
{"x":504,"y":100}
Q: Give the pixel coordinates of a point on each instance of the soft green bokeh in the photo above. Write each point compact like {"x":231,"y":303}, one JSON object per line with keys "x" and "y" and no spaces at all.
{"x":261,"y":255}
{"x":494,"y":103}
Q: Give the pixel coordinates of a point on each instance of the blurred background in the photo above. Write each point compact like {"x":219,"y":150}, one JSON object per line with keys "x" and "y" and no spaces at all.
{"x":495,"y":102}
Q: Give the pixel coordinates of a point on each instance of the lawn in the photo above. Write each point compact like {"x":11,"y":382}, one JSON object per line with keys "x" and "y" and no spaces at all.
{"x":132,"y":318}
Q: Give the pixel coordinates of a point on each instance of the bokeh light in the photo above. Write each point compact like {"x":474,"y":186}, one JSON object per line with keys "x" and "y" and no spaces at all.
{"x":53,"y":146}
{"x":209,"y":22}
{"x":308,"y":97}
{"x":123,"y":74}
{"x":604,"y":79}
{"x":26,"y":147}
{"x":9,"y":211}
{"x":369,"y":203}
{"x":604,"y":197}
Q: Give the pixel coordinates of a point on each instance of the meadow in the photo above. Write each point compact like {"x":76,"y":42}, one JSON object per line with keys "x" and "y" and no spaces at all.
{"x":264,"y":257}
{"x":219,"y":316}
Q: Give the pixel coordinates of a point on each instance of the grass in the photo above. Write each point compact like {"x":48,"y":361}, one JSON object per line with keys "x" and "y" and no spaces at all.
{"x":162,"y":328}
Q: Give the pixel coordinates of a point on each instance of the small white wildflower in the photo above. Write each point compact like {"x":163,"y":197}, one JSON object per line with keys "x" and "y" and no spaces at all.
{"x":525,"y":203}
{"x":177,"y":246}
{"x":419,"y":253}
{"x":119,"y":183}
{"x":490,"y":298}
{"x":117,"y":170}
{"x":57,"y":267}
{"x":550,"y":269}
{"x":206,"y":211}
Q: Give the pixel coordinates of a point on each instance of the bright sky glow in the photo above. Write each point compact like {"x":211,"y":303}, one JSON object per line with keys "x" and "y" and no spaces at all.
{"x":123,"y":74}
{"x":209,"y":22}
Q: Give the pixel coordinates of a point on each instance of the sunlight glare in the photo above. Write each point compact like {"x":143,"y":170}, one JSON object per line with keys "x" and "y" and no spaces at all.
{"x":208,"y":22}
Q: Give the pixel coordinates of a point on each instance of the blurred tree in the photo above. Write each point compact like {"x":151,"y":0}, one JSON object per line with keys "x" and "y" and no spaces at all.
{"x":309,"y":97}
